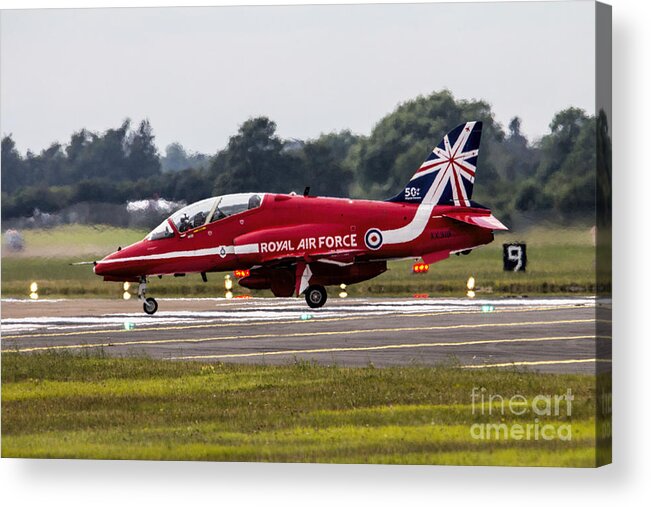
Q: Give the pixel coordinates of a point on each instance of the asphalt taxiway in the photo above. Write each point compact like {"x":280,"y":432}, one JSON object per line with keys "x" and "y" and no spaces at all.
{"x":550,"y":335}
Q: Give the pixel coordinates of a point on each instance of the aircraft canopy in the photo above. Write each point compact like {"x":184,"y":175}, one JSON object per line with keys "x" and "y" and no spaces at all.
{"x":205,"y":212}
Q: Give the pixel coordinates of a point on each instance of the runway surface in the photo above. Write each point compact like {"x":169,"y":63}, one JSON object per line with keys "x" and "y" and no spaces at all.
{"x":551,"y":335}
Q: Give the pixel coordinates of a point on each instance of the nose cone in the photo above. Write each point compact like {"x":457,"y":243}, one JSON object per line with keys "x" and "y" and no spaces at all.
{"x":121,"y":265}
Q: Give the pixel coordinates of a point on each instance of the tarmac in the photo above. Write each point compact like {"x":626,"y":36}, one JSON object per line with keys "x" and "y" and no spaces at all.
{"x":546,"y":335}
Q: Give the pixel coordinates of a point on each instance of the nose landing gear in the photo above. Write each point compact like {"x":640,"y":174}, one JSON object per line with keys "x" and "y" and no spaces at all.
{"x":149,"y":305}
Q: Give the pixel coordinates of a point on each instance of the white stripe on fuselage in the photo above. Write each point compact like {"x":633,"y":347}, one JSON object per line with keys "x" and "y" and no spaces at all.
{"x":416,"y":227}
{"x":247,"y":249}
{"x":230,"y":249}
{"x":410,"y":231}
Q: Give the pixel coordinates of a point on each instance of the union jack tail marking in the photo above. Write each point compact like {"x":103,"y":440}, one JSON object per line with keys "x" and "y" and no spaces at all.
{"x":448,"y":174}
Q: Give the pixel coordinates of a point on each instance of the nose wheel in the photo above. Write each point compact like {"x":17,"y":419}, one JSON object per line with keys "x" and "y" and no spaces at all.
{"x":149,"y":305}
{"x":315,"y":296}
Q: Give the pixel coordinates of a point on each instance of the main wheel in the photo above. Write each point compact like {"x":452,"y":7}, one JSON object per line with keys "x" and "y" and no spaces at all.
{"x":315,"y":296}
{"x":150,"y":306}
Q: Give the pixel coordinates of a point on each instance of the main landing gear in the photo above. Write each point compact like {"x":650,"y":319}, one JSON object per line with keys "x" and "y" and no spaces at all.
{"x":315,"y":296}
{"x":150,"y":305}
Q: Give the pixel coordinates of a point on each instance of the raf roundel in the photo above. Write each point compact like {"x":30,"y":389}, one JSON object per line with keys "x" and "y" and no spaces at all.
{"x":373,"y":239}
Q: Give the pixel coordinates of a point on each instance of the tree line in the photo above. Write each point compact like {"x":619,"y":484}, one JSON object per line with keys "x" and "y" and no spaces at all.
{"x":555,"y":174}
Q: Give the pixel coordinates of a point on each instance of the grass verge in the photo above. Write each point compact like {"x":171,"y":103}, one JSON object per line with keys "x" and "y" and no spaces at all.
{"x":560,"y":262}
{"x":60,"y":405}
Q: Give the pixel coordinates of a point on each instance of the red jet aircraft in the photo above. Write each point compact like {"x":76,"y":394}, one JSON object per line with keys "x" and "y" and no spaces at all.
{"x":297,"y":244}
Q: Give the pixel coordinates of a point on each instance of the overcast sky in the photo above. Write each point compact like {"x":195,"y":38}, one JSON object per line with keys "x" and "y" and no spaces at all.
{"x":198,"y":73}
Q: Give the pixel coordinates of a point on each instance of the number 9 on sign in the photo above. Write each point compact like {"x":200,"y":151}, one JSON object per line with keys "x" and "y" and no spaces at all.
{"x":515,"y":256}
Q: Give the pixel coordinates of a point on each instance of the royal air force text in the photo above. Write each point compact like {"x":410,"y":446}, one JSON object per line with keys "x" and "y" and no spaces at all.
{"x":315,"y":243}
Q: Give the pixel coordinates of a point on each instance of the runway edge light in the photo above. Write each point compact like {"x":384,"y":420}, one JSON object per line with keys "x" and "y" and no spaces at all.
{"x":470,"y":285}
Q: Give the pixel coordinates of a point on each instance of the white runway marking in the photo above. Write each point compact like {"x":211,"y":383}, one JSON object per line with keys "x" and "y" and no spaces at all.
{"x":264,"y":309}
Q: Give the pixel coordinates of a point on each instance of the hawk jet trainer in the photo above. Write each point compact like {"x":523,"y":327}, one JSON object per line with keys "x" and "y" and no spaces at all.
{"x":299,"y":244}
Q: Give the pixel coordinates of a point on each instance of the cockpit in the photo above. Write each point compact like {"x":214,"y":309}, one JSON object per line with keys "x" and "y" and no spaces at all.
{"x":205,"y":212}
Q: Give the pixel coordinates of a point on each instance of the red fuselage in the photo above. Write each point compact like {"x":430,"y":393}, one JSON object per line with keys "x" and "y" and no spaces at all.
{"x":291,"y":228}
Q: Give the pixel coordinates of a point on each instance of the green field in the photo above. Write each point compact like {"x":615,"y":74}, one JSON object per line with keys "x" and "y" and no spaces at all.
{"x":92,"y":406}
{"x":561,"y":262}
{"x":72,"y":239}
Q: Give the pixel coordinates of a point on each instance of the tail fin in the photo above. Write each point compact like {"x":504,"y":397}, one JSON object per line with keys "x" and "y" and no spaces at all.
{"x":448,"y":174}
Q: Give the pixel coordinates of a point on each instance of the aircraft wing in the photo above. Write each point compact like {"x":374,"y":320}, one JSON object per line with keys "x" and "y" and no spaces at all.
{"x":340,"y":257}
{"x":483,"y":221}
{"x":306,"y":266}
